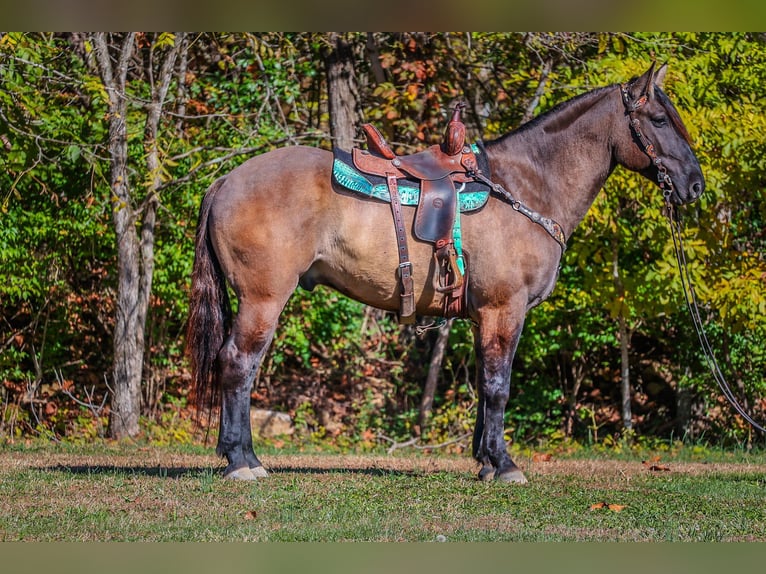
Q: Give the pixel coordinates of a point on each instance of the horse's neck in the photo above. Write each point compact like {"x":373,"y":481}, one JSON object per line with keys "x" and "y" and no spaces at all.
{"x":560,"y":161}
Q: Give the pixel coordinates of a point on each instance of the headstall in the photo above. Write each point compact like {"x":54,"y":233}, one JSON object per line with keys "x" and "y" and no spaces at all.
{"x":631,"y":107}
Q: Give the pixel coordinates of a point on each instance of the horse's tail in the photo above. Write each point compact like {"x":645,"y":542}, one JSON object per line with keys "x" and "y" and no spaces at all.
{"x":209,"y":310}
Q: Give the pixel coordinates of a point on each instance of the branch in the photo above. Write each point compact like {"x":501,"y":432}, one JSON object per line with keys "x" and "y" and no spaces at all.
{"x":529,"y":112}
{"x":231,"y":153}
{"x":94,"y":410}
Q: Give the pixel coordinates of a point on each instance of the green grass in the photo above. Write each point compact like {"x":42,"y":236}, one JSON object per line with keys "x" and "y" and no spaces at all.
{"x":145,"y":494}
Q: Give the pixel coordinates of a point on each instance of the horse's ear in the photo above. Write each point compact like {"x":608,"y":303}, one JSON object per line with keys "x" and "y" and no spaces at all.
{"x":659,"y":77}
{"x":645,"y":83}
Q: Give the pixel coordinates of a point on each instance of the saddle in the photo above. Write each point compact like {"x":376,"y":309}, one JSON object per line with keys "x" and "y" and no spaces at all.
{"x":439,"y":170}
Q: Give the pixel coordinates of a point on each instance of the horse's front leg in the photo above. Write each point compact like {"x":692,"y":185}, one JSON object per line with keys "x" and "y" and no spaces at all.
{"x":495,"y":339}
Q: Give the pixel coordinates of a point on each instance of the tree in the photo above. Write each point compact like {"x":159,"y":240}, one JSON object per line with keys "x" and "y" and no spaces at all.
{"x":342,"y":88}
{"x":62,"y":204}
{"x":133,"y":214}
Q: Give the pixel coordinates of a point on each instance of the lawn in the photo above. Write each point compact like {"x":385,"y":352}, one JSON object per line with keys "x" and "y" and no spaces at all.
{"x":131,"y":493}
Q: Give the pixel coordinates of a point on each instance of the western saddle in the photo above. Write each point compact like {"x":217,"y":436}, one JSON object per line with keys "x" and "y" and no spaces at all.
{"x":439,"y":169}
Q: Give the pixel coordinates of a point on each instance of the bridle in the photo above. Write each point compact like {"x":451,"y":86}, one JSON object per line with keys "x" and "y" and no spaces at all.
{"x":666,"y":184}
{"x":631,"y":107}
{"x":553,"y":228}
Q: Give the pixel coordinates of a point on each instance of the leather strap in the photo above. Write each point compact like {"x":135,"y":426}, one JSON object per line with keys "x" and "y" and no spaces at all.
{"x":407,"y":302}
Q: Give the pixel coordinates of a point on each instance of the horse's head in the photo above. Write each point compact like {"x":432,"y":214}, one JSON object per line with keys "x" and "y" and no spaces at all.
{"x":656,"y":143}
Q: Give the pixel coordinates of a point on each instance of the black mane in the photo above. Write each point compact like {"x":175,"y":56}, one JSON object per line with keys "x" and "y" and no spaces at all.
{"x":565,"y":112}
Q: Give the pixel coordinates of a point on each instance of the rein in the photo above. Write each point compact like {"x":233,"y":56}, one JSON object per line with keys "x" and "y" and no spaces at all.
{"x":691,"y":303}
{"x":666,"y":184}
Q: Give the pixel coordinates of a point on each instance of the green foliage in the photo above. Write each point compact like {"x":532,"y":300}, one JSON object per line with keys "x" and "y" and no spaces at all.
{"x":360,"y":373}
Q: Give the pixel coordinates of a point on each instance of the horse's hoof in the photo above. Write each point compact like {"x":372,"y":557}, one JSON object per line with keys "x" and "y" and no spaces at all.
{"x":486,"y":473}
{"x":240,"y":474}
{"x":515,"y":476}
{"x":259,"y":472}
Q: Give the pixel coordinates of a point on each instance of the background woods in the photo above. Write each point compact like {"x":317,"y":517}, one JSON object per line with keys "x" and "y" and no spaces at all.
{"x":109,"y":141}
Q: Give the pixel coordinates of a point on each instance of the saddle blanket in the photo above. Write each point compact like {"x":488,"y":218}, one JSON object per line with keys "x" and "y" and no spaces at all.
{"x":471,"y":196}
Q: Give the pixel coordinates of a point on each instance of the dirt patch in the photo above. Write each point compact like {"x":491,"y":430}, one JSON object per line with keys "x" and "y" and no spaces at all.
{"x":161,"y":461}
{"x":632,"y":468}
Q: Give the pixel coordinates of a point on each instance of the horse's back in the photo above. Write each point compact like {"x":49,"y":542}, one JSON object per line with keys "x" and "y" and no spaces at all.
{"x":273,"y":178}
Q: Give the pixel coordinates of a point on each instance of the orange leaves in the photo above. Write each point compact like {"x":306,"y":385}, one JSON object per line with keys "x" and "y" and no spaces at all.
{"x":654,"y":466}
{"x":368,"y":435}
{"x":608,"y":506}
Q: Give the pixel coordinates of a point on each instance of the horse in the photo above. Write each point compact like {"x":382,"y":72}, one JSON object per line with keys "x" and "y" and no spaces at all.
{"x":278,"y":221}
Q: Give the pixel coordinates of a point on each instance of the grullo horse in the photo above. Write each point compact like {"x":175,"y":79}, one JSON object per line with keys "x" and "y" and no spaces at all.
{"x":278,"y":221}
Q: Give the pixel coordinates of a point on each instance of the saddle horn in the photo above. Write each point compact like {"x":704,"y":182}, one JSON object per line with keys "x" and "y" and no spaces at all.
{"x":454,"y":135}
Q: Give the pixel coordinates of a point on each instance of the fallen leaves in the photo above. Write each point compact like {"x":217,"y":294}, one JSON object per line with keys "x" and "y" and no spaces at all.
{"x":654,"y":465}
{"x":250,"y":515}
{"x":542,"y":457}
{"x":608,"y":506}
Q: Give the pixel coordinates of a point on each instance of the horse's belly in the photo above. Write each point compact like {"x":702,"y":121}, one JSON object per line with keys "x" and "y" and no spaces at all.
{"x":360,"y":259}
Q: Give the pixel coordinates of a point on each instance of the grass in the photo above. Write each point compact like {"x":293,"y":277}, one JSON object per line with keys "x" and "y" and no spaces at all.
{"x":131,"y":493}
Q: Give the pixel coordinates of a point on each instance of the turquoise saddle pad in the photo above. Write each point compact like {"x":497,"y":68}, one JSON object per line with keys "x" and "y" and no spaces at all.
{"x":471,"y":197}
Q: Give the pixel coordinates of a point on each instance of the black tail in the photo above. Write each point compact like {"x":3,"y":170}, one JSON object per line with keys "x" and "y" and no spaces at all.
{"x":209,"y":310}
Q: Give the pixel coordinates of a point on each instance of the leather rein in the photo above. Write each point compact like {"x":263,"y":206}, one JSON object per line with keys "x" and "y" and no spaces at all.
{"x":666,"y":184}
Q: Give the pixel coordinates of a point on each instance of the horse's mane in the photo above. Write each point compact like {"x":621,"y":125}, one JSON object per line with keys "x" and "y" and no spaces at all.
{"x":564,"y":113}
{"x":670,"y":109}
{"x":560,"y":116}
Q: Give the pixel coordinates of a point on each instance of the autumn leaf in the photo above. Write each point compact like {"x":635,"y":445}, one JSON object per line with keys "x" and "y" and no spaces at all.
{"x":368,"y":435}
{"x":542,"y":457}
{"x":250,"y":515}
{"x":608,"y":506}
{"x":654,"y":465}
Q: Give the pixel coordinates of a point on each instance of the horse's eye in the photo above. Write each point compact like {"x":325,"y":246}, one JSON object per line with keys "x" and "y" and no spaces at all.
{"x":659,"y":121}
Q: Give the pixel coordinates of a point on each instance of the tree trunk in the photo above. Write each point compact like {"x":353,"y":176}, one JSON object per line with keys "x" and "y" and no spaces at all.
{"x":159,"y":88}
{"x":343,"y":94}
{"x":129,"y":328}
{"x":624,"y":336}
{"x":373,"y":55}
{"x":135,"y":249}
{"x":434,"y":368}
{"x":627,"y":414}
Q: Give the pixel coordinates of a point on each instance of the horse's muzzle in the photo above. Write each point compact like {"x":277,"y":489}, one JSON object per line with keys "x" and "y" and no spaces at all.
{"x":694,"y":188}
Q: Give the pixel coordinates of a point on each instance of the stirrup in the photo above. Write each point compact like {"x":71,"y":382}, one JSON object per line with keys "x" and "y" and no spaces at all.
{"x":451,"y":269}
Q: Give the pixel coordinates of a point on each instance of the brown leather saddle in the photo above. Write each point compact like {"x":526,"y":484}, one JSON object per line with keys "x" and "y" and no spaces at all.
{"x":439,"y":169}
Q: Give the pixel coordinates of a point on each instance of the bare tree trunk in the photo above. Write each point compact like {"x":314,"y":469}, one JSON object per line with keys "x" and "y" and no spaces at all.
{"x":159,"y":87}
{"x":128,"y":329}
{"x":373,"y":55}
{"x":434,"y":369}
{"x":344,"y":102}
{"x":624,"y":336}
{"x":627,"y":414}
{"x":135,"y":250}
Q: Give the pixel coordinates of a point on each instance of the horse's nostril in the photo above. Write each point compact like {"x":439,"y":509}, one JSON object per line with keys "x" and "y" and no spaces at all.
{"x":697,"y":188}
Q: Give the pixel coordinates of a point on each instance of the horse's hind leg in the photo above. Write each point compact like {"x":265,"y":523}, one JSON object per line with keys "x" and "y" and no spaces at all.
{"x":238,"y":363}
